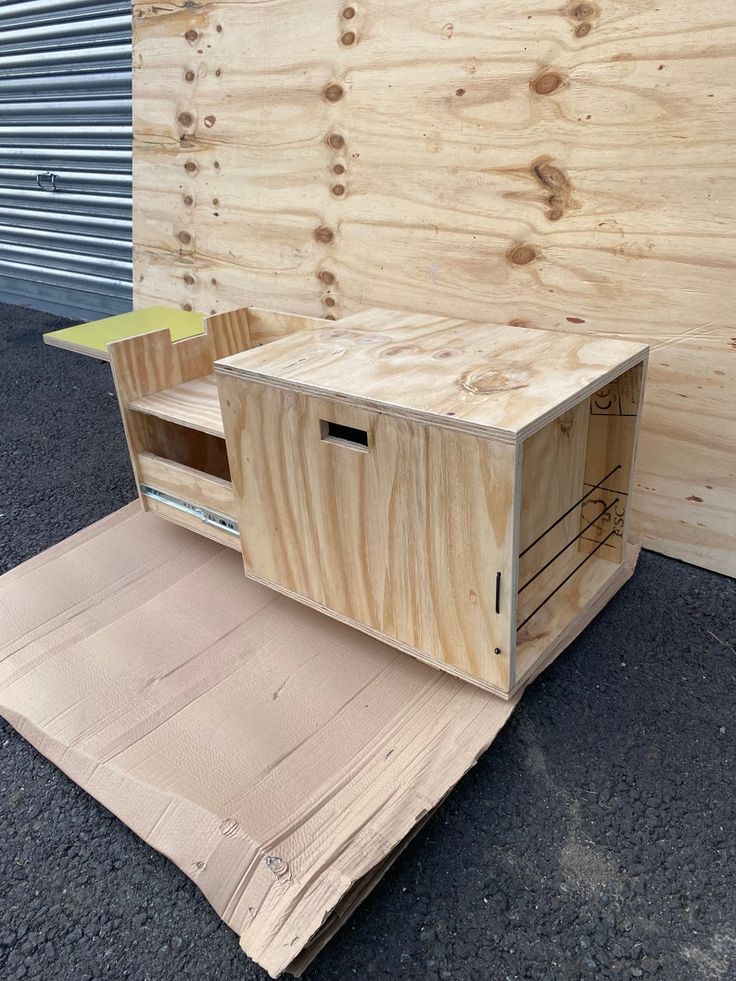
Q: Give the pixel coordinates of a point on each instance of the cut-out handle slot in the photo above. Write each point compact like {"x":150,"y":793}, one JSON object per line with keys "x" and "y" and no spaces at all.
{"x":335,"y":432}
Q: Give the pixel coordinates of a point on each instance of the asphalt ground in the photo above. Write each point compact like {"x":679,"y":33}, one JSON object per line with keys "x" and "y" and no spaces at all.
{"x":595,"y":839}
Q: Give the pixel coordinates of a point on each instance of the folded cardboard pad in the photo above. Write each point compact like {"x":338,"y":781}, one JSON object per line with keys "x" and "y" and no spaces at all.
{"x":279,"y":758}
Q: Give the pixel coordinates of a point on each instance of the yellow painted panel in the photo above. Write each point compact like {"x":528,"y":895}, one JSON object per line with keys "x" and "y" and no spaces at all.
{"x":92,"y":338}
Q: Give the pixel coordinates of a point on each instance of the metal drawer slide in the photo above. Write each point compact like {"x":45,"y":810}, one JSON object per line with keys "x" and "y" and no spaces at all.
{"x":222,"y":522}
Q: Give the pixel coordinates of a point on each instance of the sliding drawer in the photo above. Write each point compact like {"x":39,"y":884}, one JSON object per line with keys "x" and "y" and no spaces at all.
{"x":191,"y":498}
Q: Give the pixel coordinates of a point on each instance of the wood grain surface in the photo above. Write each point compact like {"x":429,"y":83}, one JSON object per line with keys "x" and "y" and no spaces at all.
{"x":490,"y":379}
{"x":193,"y":404}
{"x":562,"y":167}
{"x":404,"y":541}
{"x":187,"y":484}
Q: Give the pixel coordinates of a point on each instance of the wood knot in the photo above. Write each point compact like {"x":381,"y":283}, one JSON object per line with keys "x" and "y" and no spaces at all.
{"x":190,"y":167}
{"x":336,"y":141}
{"x":210,"y":121}
{"x":338,"y":169}
{"x":398,"y":350}
{"x":327,"y":277}
{"x":348,"y":13}
{"x":191,"y":35}
{"x":334,"y":92}
{"x":338,"y":190}
{"x":547,"y":83}
{"x":555,"y":179}
{"x":491,"y":381}
{"x":584,"y":11}
{"x":184,"y":237}
{"x":189,"y":279}
{"x":185,"y":118}
{"x":522,"y":255}
{"x":581,"y":14}
{"x":329,"y":301}
{"x":550,"y":175}
{"x":189,"y":76}
{"x":324,"y":235}
{"x":348,"y":38}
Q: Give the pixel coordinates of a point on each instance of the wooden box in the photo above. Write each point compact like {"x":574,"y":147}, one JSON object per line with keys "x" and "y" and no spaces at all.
{"x":459,"y":490}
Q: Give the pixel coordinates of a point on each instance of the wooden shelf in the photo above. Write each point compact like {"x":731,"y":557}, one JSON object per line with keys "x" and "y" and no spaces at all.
{"x":194,"y":404}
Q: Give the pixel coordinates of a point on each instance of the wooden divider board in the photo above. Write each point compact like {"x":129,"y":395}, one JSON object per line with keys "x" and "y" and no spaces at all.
{"x":563,"y":167}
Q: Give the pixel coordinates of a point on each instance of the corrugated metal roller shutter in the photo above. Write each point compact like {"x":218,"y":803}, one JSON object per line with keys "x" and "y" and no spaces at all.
{"x":65,"y":155}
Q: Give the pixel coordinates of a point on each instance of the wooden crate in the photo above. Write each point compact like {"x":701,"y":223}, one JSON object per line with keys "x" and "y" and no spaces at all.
{"x":459,"y":490}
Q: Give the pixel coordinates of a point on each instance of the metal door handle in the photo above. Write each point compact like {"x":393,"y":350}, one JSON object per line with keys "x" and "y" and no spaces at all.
{"x":50,"y":180}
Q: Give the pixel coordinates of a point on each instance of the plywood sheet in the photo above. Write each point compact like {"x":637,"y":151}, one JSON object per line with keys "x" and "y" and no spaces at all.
{"x":489,"y":379}
{"x":570,"y":167}
{"x":92,"y":338}
{"x":277,"y":757}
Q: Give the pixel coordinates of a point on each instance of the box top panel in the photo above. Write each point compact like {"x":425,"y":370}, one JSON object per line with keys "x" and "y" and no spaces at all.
{"x":495,"y":380}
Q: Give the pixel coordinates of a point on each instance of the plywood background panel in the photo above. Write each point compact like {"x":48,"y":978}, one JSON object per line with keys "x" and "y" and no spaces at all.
{"x":570,"y":167}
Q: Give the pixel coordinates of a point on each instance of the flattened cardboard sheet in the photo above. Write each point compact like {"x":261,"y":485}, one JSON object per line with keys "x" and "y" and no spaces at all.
{"x":279,"y":758}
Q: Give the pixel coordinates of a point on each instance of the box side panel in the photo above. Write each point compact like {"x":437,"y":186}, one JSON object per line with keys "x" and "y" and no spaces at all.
{"x":553,"y":472}
{"x":577,"y":476}
{"x":609,"y":466}
{"x":401,"y":528}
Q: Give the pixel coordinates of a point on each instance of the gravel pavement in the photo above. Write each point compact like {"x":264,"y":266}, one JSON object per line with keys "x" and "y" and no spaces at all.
{"x":595,"y":839}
